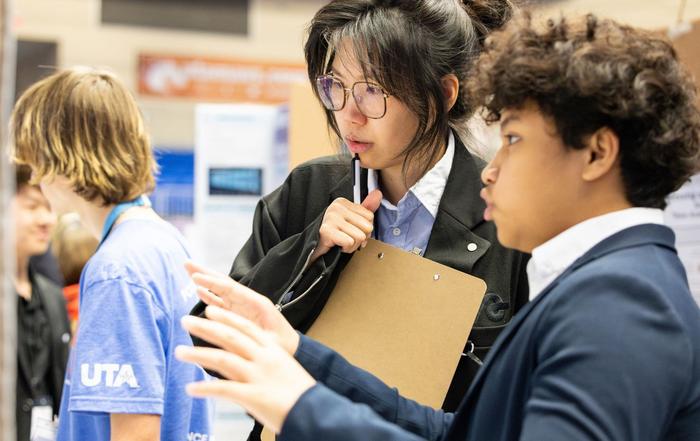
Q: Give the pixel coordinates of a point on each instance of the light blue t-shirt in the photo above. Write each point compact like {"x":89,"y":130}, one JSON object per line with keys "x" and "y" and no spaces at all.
{"x":133,"y":292}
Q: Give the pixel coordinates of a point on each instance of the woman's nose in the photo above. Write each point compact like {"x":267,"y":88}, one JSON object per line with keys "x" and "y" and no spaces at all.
{"x":351,"y":111}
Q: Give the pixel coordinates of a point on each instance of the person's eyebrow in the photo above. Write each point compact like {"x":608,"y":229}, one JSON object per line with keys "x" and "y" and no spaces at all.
{"x":509,"y":119}
{"x":336,"y":74}
{"x":34,"y":199}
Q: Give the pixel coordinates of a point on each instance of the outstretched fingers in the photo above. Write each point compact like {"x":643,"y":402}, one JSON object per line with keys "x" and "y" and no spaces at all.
{"x":240,"y":324}
{"x":231,"y":295}
{"x":223,"y":286}
{"x":193,"y":268}
{"x":210,"y":298}
{"x":233,"y":338}
{"x":241,"y":393}
{"x":227,"y":364}
{"x":224,"y":389}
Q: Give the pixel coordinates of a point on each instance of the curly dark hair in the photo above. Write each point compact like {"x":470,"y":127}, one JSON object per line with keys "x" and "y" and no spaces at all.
{"x":590,"y":73}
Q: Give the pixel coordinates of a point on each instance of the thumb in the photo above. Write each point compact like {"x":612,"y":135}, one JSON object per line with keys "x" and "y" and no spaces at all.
{"x":373,"y":200}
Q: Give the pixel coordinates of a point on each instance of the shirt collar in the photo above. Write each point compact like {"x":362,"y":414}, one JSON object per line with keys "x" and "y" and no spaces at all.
{"x":550,"y":259}
{"x":429,"y":188}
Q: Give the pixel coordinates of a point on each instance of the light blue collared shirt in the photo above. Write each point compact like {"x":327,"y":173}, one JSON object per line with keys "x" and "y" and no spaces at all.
{"x":407,"y":225}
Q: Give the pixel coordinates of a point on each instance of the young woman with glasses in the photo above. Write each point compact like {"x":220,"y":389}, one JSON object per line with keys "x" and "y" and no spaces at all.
{"x":390,"y":76}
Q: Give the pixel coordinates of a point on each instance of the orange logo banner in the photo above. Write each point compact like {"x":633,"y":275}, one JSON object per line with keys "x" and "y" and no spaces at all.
{"x":211,"y":79}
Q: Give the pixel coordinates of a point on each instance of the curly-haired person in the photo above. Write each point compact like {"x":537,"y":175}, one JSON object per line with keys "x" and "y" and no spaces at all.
{"x":599,"y":125}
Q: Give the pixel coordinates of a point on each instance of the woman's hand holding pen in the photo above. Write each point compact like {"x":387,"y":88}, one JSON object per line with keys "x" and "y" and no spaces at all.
{"x":261,"y":375}
{"x":347,"y":225}
{"x":221,"y":291}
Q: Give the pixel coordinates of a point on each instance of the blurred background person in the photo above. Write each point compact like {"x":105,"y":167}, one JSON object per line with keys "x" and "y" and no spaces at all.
{"x":46,"y":265}
{"x":42,"y":325}
{"x":73,"y":245}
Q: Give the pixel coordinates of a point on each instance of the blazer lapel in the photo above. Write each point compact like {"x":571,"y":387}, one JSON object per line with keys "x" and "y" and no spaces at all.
{"x":631,"y":237}
{"x":452,"y":241}
{"x":502,"y":339}
{"x":344,"y":187}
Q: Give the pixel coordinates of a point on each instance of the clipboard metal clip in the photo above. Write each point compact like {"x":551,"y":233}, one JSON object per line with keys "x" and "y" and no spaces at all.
{"x":470,"y":353}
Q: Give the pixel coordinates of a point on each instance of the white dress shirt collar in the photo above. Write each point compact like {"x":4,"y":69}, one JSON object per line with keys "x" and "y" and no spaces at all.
{"x":553,"y":257}
{"x":429,"y":189}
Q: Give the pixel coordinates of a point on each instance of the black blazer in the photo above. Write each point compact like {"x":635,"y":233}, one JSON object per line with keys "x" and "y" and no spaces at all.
{"x":286,"y":230}
{"x":54,"y":305}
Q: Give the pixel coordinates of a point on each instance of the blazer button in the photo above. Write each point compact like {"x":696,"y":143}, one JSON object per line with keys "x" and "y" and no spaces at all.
{"x":472,"y":247}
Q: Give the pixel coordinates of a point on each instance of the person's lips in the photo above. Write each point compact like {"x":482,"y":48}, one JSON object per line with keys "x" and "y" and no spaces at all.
{"x":356,"y":145}
{"x":42,"y":234}
{"x":488,"y":216}
{"x":42,"y":237}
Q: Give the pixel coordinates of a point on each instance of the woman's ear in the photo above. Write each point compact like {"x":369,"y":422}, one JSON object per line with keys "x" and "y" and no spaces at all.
{"x":450,"y":90}
{"x":603,"y":154}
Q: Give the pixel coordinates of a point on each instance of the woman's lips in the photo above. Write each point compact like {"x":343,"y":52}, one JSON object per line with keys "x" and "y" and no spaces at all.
{"x":357,"y":146}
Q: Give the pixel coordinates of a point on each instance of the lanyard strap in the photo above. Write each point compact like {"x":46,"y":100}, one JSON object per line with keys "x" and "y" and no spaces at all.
{"x":118,"y":210}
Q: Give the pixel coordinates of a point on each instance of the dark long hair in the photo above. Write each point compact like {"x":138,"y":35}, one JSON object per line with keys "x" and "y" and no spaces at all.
{"x":408,"y":46}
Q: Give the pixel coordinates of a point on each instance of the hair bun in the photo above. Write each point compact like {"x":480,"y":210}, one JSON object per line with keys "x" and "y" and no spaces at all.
{"x":488,"y":15}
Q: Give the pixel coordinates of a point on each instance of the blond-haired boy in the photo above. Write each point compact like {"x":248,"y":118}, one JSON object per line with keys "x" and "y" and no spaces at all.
{"x":81,"y":132}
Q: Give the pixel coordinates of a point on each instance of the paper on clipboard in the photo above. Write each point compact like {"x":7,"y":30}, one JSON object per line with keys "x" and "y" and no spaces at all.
{"x":402,"y":317}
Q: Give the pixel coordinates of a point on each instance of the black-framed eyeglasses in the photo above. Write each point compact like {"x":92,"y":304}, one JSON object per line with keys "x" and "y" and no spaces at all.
{"x":369,"y":97}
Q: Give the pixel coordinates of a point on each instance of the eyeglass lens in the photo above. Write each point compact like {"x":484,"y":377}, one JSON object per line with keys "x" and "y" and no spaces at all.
{"x":369,"y":97}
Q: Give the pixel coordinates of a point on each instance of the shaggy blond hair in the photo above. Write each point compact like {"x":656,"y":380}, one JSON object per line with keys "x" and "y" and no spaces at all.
{"x":84,"y":125}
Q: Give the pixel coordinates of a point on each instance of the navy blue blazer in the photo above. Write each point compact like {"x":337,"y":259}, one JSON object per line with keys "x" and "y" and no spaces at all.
{"x":609,"y":351}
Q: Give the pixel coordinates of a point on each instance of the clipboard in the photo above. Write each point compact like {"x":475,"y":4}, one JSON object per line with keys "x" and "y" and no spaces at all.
{"x":402,"y":317}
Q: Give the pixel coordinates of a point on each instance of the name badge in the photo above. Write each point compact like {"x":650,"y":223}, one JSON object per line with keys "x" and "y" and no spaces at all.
{"x":43,"y":427}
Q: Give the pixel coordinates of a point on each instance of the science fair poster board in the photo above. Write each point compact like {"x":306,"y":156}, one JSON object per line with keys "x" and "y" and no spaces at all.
{"x":683,"y":216}
{"x":240,"y":155}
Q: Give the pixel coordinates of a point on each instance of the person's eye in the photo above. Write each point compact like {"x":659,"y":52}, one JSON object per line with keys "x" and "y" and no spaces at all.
{"x":373,"y":89}
{"x":511,"y":139}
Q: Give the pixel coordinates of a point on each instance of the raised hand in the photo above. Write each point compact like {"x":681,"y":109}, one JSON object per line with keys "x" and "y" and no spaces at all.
{"x":219,"y":290}
{"x":261,"y":375}
{"x":347,"y":225}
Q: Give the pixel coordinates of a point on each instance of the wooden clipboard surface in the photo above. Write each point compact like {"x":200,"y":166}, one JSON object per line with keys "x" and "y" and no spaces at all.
{"x":402,"y":317}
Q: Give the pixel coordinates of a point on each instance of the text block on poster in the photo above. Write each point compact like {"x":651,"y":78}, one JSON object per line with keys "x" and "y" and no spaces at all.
{"x":217,"y":79}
